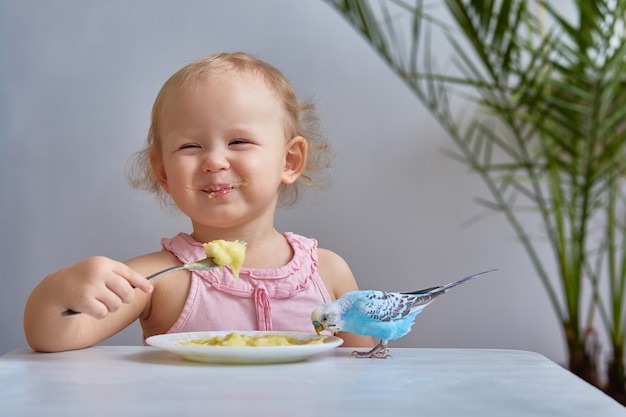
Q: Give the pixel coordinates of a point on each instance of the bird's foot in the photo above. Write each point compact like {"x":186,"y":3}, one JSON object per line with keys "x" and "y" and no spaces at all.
{"x":379,"y":351}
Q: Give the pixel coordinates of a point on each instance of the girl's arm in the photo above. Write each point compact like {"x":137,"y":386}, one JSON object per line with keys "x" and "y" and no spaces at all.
{"x":110,"y":294}
{"x":339,"y":280}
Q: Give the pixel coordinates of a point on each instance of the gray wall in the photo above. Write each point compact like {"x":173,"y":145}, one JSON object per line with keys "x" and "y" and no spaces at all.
{"x":77,"y":82}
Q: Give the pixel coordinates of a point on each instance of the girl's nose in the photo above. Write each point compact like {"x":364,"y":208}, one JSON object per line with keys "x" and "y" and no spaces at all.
{"x":214,"y":161}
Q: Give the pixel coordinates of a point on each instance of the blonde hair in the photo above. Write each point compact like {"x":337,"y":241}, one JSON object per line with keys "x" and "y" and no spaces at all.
{"x":301,"y":120}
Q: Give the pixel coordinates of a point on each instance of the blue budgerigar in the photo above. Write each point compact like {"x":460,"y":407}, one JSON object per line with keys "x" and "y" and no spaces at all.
{"x":385,"y":315}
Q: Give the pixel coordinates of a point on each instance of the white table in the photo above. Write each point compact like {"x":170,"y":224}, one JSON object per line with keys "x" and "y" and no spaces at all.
{"x":144,"y":381}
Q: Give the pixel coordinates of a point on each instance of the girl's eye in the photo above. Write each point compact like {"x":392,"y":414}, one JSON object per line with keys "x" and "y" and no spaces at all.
{"x":237,"y":141}
{"x":189,"y":146}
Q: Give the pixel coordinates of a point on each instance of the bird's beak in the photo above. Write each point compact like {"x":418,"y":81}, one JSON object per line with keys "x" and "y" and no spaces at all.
{"x":318,"y":327}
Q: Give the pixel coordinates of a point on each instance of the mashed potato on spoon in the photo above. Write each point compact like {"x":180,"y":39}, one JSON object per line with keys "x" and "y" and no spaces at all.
{"x":225,"y":252}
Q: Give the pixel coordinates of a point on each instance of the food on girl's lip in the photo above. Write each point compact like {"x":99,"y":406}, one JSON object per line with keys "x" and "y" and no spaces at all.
{"x":239,"y":339}
{"x":214,"y":193}
{"x":225,"y":252}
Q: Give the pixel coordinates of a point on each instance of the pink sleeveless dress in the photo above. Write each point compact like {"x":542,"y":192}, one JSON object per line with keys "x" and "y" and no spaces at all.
{"x":279,"y":299}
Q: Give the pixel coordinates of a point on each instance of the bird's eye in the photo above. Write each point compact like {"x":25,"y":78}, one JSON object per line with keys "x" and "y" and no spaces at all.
{"x":324,"y":318}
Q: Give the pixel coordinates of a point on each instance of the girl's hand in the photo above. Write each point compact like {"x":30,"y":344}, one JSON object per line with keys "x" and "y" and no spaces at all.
{"x":96,"y":286}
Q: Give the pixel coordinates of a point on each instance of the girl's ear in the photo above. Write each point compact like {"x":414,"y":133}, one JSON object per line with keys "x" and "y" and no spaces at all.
{"x":156,"y":160}
{"x":295,"y":159}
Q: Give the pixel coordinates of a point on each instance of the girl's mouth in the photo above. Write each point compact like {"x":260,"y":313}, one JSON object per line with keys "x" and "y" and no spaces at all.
{"x":219,"y":190}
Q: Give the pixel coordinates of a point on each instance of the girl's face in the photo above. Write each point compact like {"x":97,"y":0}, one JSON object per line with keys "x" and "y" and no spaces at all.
{"x":225,"y":152}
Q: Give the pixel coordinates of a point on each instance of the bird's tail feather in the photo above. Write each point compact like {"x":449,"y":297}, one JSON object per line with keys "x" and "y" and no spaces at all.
{"x":445,"y":288}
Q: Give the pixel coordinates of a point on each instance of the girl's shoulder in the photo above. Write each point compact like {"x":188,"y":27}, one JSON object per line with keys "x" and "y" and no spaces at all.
{"x":331,"y":260}
{"x":335,"y":273}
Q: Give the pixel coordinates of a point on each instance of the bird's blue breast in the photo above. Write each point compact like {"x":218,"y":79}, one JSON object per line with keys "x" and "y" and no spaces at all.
{"x":357,"y":322}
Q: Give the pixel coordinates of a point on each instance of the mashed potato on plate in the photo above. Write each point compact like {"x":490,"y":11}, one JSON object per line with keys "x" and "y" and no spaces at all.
{"x":239,"y":339}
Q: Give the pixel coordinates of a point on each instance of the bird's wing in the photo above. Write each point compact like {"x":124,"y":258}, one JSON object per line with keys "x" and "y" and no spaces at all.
{"x":389,"y":306}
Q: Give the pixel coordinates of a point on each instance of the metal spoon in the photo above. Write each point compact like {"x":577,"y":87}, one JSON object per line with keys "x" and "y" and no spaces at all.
{"x":204,"y":264}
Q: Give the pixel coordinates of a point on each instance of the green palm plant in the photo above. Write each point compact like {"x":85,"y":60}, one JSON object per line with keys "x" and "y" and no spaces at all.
{"x":547,"y":138}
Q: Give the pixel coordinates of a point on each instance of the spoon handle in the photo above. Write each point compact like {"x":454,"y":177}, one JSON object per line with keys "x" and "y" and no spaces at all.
{"x":173,"y":268}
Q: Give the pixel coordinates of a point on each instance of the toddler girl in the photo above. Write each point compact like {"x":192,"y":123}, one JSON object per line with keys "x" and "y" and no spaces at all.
{"x":229,"y":141}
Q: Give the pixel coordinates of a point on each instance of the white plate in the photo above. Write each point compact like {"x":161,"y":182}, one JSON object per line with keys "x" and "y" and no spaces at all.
{"x":242,"y":354}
